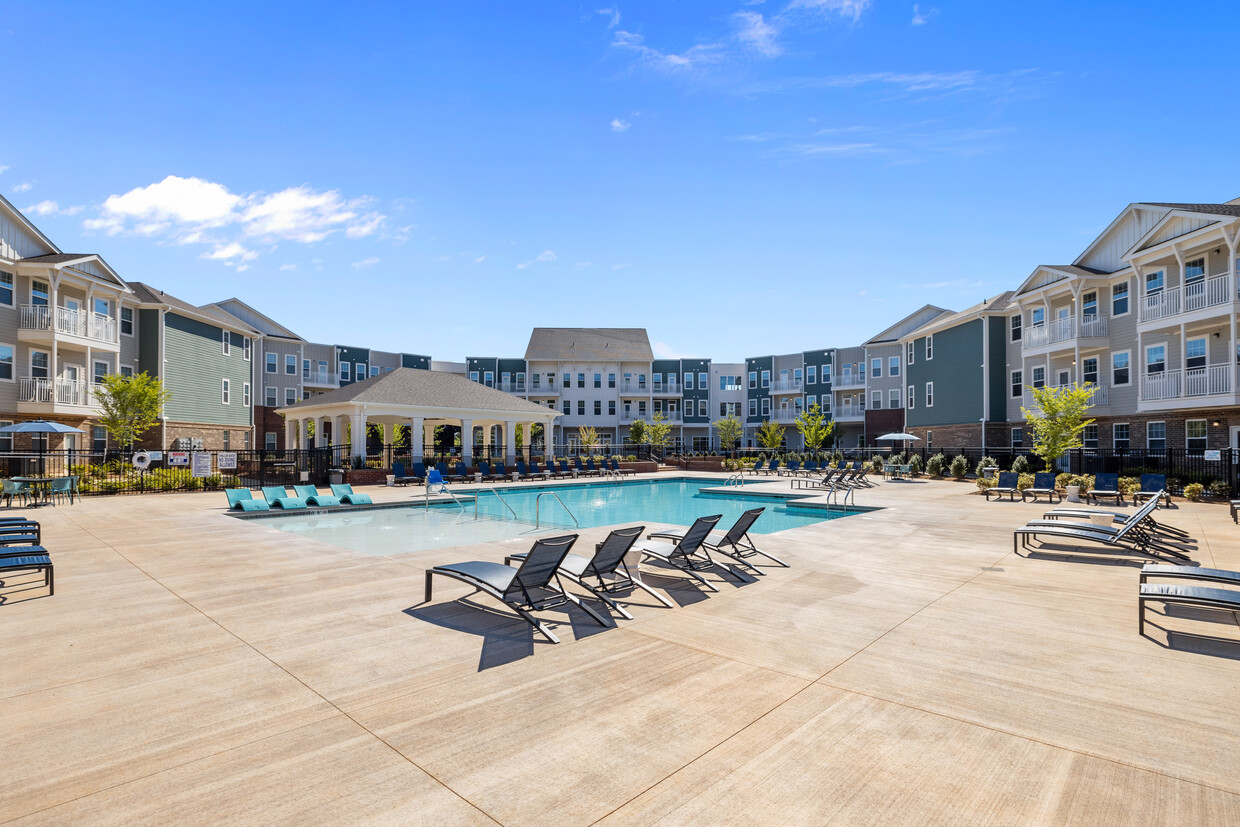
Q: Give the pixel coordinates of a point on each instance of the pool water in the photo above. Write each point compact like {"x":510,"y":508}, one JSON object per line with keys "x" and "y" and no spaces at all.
{"x":415,"y":528}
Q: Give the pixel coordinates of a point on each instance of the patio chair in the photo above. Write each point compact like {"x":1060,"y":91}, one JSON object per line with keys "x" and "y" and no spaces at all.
{"x":403,"y":478}
{"x":277,"y":497}
{"x":606,"y":573}
{"x":1118,"y":517}
{"x":1007,"y":485}
{"x":683,"y":554}
{"x":241,"y":499}
{"x":534,"y":586}
{"x":735,"y":543}
{"x":1132,"y":537}
{"x":615,"y":466}
{"x":312,"y":496}
{"x":60,"y":488}
{"x":772,"y":467}
{"x":1210,"y":598}
{"x":346,"y":495}
{"x":1105,"y":485}
{"x":790,"y":469}
{"x":536,"y":470}
{"x":501,"y":471}
{"x":523,"y":471}
{"x":484,"y":468}
{"x":31,"y":558}
{"x":564,"y":471}
{"x":419,"y":472}
{"x":591,"y":468}
{"x":1153,"y":485}
{"x":460,"y":473}
{"x":1043,"y":483}
{"x":14,"y":489}
{"x":1230,"y":578}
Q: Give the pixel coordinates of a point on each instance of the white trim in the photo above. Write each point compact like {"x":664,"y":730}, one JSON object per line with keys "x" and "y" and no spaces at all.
{"x":1204,"y":422}
{"x":12,"y":302}
{"x":225,"y":341}
{"x":245,"y":394}
{"x":929,"y":394}
{"x":275,"y":396}
{"x":891,"y":359}
{"x":929,"y":346}
{"x":1147,"y":434}
{"x":1128,"y":439}
{"x":1115,"y":384}
{"x":246,"y":347}
{"x":271,"y":359}
{"x":1018,"y":383}
{"x":1127,"y":282}
{"x":910,"y":398}
{"x":120,"y":320}
{"x":12,"y":364}
{"x":1020,"y":326}
{"x":1145,"y":353}
{"x":225,"y":392}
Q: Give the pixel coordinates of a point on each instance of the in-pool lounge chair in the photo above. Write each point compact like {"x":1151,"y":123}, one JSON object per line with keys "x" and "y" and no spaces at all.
{"x":1105,"y":485}
{"x":1153,"y":485}
{"x":1134,"y":536}
{"x":606,"y":573}
{"x":735,"y":543}
{"x":534,"y":586}
{"x":1007,"y":485}
{"x":345,"y":494}
{"x":241,"y":499}
{"x":687,"y":553}
{"x":277,"y":497}
{"x":1043,"y":483}
{"x":1190,"y":595}
{"x":312,"y":496}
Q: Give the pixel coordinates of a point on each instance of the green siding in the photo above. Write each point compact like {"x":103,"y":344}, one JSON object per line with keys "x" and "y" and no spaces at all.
{"x":148,"y":342}
{"x":195,"y":370}
{"x":997,"y":326}
{"x":955,"y":370}
{"x":410,"y":360}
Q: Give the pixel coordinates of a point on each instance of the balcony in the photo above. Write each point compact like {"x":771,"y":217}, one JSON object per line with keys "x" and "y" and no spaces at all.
{"x":323,"y":377}
{"x":511,"y":387}
{"x":785,"y":416}
{"x":1065,"y":331}
{"x":92,"y":328}
{"x":848,"y":413}
{"x":54,"y":396}
{"x":848,"y":380}
{"x":787,"y":386}
{"x":1198,"y":295}
{"x":630,"y":416}
{"x":631,"y":387}
{"x":667,"y":388}
{"x":1098,"y":398}
{"x":1213,"y":380}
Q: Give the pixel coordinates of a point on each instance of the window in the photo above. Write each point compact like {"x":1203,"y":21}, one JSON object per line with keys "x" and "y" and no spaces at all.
{"x":126,"y":321}
{"x":908,"y":355}
{"x":1154,"y":283}
{"x":876,"y":368}
{"x":826,"y":374}
{"x":1155,"y":358}
{"x":641,"y":381}
{"x":1119,"y":436}
{"x":374,"y":370}
{"x":1195,"y":353}
{"x":1089,"y":303}
{"x":6,"y":362}
{"x":811,"y":374}
{"x":6,"y":288}
{"x":271,"y":364}
{"x":290,"y":396}
{"x":811,"y":401}
{"x":38,"y":364}
{"x":598,"y":407}
{"x":305,"y":369}
{"x":245,"y":394}
{"x":225,"y":341}
{"x":290,"y":366}
{"x":753,"y":407}
{"x":99,"y":439}
{"x":766,"y":378}
{"x":103,"y":307}
{"x":929,"y":394}
{"x":567,"y":407}
{"x":1039,"y":377}
{"x":1018,"y":437}
{"x":703,"y":410}
{"x":688,"y":380}
{"x":537,"y":377}
{"x":1089,"y":370}
{"x":766,"y":406}
{"x":473,"y":376}
{"x":611,"y":407}
{"x":908,"y":398}
{"x":359,"y":371}
{"x":269,"y":396}
{"x":581,"y":380}
{"x":929,"y":347}
{"x":611,"y":380}
{"x":1156,"y":436}
{"x":893,"y":366}
{"x":1038,"y":317}
{"x":1119,"y":299}
{"x":598,"y":380}
{"x":227,"y":434}
{"x":126,"y":371}
{"x":753,"y":379}
{"x":1195,"y":435}
{"x":929,"y":438}
{"x":101,"y":370}
{"x":245,"y":348}
{"x":1089,"y":436}
{"x":1119,"y":367}
{"x":1194,"y":274}
{"x":488,"y":378}
{"x":521,"y":381}
{"x":38,"y":293}
{"x":1015,"y":321}
{"x":893,"y":398}
{"x":568,"y":380}
{"x":269,"y":440}
{"x":581,"y":407}
{"x":345,"y":368}
{"x":876,"y":400}
{"x":1018,"y":384}
{"x":225,"y":393}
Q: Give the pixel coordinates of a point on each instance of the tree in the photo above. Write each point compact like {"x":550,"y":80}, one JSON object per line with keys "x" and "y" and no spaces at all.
{"x":659,"y":431}
{"x":637,"y":432}
{"x":519,"y":436}
{"x":1058,"y":419}
{"x":770,"y":436}
{"x":588,"y":437}
{"x":730,"y":430}
{"x":129,"y":406}
{"x":815,"y":428}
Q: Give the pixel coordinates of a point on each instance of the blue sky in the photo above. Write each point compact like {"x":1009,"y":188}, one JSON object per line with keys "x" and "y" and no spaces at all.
{"x":740,"y":178}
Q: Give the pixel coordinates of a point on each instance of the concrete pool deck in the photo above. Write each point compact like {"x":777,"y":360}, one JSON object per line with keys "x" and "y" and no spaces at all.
{"x":908,"y":668}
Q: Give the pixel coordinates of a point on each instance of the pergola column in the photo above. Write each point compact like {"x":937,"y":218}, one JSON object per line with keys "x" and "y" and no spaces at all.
{"x":290,"y":430}
{"x":467,"y":442}
{"x":510,"y":441}
{"x":528,"y":448}
{"x":305,"y":433}
{"x":417,"y":430}
{"x":320,"y":432}
{"x":358,"y":447}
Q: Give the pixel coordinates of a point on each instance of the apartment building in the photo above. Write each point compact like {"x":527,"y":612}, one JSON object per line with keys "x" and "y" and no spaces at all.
{"x":885,"y":374}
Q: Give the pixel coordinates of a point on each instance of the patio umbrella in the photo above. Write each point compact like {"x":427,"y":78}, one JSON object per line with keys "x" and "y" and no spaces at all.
{"x":39,"y":426}
{"x":896,"y":438}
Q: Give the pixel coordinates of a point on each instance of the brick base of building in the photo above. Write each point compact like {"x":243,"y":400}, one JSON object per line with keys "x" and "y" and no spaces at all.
{"x":936,"y":437}
{"x":162,"y":436}
{"x":1219,"y":422}
{"x":882,"y":421}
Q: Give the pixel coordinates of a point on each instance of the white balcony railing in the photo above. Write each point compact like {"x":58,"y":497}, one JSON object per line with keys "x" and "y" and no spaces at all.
{"x":511,"y":387}
{"x":318,"y":377}
{"x":667,"y":387}
{"x":630,"y":416}
{"x":633,"y":386}
{"x":787,"y":386}
{"x":848,"y":380}
{"x":1197,"y":295}
{"x":785,"y":415}
{"x":849,"y":412}
{"x":1094,"y":326}
{"x":97,"y":326}
{"x":59,"y":392}
{"x":1205,"y":293}
{"x":1099,"y":396}
{"x":1174,"y":384}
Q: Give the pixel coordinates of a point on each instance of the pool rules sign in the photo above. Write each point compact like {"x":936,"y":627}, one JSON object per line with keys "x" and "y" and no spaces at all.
{"x":201,"y":464}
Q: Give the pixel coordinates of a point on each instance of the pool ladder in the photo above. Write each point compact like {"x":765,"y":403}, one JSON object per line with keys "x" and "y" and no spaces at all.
{"x":478,"y":496}
{"x":735,"y":479}
{"x":833,"y":495}
{"x":538,"y":502}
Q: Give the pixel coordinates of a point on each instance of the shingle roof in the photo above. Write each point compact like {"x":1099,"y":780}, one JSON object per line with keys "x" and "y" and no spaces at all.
{"x":1076,"y":269}
{"x":57,"y":258}
{"x":589,"y":344}
{"x":149,"y":295}
{"x":1213,"y":209}
{"x":994,"y":304}
{"x":426,"y":388}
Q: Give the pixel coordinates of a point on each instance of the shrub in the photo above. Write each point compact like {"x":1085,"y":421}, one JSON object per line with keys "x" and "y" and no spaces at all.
{"x":1194,"y":492}
{"x":836,"y":456}
{"x":1219,"y":489}
{"x":1175,"y":485}
{"x":914,"y":465}
{"x":960,"y":466}
{"x":1072,"y":479}
{"x":1129,"y":485}
{"x":1021,"y":464}
{"x":934,"y":465}
{"x":1024,"y":481}
{"x":985,"y":462}
{"x":1061,"y":481}
{"x":984,"y":483}
{"x":876,"y":463}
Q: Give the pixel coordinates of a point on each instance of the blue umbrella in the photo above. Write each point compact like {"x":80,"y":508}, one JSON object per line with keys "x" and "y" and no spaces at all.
{"x":39,"y":426}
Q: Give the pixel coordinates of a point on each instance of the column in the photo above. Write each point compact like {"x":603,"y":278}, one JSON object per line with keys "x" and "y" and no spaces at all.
{"x":358,"y":446}
{"x":305,"y":433}
{"x":320,"y":431}
{"x":290,"y":426}
{"x":510,"y":441}
{"x":529,"y":438}
{"x":467,"y":442}
{"x":417,"y":430}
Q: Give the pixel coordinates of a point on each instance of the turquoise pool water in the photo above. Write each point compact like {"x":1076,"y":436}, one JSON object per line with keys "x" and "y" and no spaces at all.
{"x":414,"y":528}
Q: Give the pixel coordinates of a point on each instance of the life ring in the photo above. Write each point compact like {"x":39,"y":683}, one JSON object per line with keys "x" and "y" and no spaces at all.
{"x":141,"y":460}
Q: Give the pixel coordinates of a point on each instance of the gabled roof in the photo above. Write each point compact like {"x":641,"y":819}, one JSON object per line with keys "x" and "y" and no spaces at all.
{"x":426,"y":389}
{"x":1189,"y":217}
{"x":270,"y":326}
{"x":993,"y":305}
{"x":150,"y":295}
{"x":21,"y":219}
{"x":1230,"y":209}
{"x":1047,"y":274}
{"x":589,"y":344}
{"x":69,"y":259}
{"x":926,"y":313}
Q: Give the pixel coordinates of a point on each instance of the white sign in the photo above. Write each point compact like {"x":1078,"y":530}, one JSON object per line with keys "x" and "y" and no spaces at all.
{"x":156,"y":456}
{"x":226,"y":460}
{"x":178,"y":458}
{"x":1215,"y":455}
{"x":202,"y":465}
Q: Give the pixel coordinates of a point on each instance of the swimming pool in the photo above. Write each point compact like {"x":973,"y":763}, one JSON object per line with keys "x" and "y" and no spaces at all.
{"x":415,"y":528}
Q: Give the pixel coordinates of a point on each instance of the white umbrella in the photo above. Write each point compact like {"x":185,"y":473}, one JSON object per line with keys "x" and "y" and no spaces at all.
{"x":896,"y":437}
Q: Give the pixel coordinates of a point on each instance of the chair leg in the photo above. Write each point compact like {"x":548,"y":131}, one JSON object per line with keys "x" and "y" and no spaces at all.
{"x":599,"y":594}
{"x":427,"y":599}
{"x":535,"y":622}
{"x":639,"y":583}
{"x":576,"y":601}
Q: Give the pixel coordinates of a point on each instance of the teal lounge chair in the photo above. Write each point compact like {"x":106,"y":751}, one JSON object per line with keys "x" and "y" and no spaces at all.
{"x":277,"y":497}
{"x":312,"y":496}
{"x":346,"y":495}
{"x":240,"y":499}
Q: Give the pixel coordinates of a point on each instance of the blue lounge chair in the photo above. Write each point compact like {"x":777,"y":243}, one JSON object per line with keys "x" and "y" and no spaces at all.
{"x":240,"y":499}
{"x":277,"y":497}
{"x":484,"y":468}
{"x":459,"y":473}
{"x":522,"y":471}
{"x":442,"y":468}
{"x":501,"y":471}
{"x":346,"y":495}
{"x":565,"y":471}
{"x":581,"y":469}
{"x":1043,"y":483}
{"x":1105,"y":485}
{"x":29,"y":558}
{"x":1007,"y":485}
{"x":1153,"y":485}
{"x":419,"y":472}
{"x":536,"y":470}
{"x":615,"y":466}
{"x":312,"y":496}
{"x":592,"y":468}
{"x":810,"y":467}
{"x":790,"y":469}
{"x":402,"y":478}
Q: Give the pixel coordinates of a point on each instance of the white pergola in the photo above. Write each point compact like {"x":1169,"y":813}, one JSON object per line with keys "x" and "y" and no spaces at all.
{"x":420,"y":399}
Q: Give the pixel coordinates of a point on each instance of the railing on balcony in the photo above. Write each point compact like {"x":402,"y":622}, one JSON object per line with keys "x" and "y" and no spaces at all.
{"x":634,"y":387}
{"x":59,"y":391}
{"x":1100,"y":395}
{"x":319,"y":377}
{"x":1197,"y":295}
{"x":666,"y":387}
{"x":1174,"y":384}
{"x":787,"y":386}
{"x":511,"y":387}
{"x":97,"y":326}
{"x":848,"y":380}
{"x":785,"y":415}
{"x":630,"y":416}
{"x":848,"y":412}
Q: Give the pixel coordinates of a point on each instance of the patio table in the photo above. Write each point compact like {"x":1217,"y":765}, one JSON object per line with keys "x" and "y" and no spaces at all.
{"x":41,"y":486}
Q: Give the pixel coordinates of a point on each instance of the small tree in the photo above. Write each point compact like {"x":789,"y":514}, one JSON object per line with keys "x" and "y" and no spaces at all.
{"x":770,"y":435}
{"x":637,"y":432}
{"x":588,"y":437}
{"x":519,"y":436}
{"x":659,"y":431}
{"x":1058,"y":420}
{"x":129,"y":406}
{"x":815,"y":428}
{"x":730,"y":429}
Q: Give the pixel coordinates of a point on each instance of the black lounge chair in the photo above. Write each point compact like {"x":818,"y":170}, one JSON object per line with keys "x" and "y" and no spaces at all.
{"x":1105,"y":485}
{"x":606,"y":572}
{"x":1134,"y":536}
{"x":532,"y":587}
{"x":1153,"y":485}
{"x":1118,"y":517}
{"x":1211,"y":598}
{"x":1008,"y":481}
{"x":1230,"y":578}
{"x":1043,"y":483}
{"x":684,"y":553}
{"x":735,"y":543}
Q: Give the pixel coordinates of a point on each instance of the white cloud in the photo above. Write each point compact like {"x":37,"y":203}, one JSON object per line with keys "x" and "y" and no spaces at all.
{"x":613,"y":14}
{"x":920,"y":18}
{"x":3,"y":168}
{"x":844,"y":8}
{"x":228,"y":252}
{"x":288,"y":266}
{"x":757,"y":34}
{"x":24,"y":186}
{"x":480,"y":259}
{"x":364,"y":263}
{"x":51,"y":208}
{"x":618,"y":125}
{"x":544,"y":256}
{"x":700,"y":55}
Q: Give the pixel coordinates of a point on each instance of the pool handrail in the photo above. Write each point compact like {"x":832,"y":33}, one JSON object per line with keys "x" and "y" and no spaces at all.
{"x":478,"y":495}
{"x":538,"y":502}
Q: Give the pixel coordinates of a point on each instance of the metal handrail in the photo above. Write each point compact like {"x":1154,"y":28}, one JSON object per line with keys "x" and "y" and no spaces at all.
{"x":501,"y":499}
{"x":538,"y":502}
{"x":443,"y":489}
{"x":739,"y":478}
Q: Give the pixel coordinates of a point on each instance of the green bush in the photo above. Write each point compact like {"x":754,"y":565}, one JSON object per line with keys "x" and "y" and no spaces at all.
{"x":1220,"y":490}
{"x":1021,"y":464}
{"x":983,"y":463}
{"x":1061,"y":481}
{"x":1024,"y":481}
{"x":876,"y":463}
{"x":1129,"y":485}
{"x":983,"y":483}
{"x":935,"y":465}
{"x":1194,"y":492}
{"x":914,"y":465}
{"x":960,"y":466}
